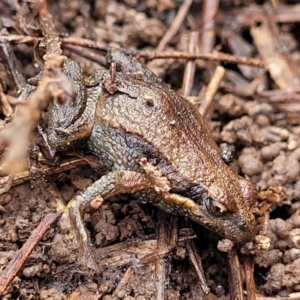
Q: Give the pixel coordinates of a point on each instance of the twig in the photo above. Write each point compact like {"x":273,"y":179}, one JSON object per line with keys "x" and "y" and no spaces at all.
{"x":212,"y":89}
{"x":236,"y":282}
{"x":196,"y":262}
{"x":18,"y":39}
{"x":215,"y":56}
{"x":6,"y":107}
{"x":12,"y":66}
{"x":21,"y":255}
{"x":22,"y":177}
{"x":53,"y":44}
{"x":123,"y":282}
{"x":143,"y":252}
{"x":163,"y":245}
{"x":189,"y":71}
{"x":175,"y":24}
{"x":250,"y":284}
{"x":24,"y":123}
{"x":85,"y":43}
{"x":17,"y":135}
{"x":280,"y":64}
{"x":87,"y":53}
{"x":210,"y":9}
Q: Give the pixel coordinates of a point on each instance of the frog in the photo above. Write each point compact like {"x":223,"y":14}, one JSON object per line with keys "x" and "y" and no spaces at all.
{"x":154,"y":144}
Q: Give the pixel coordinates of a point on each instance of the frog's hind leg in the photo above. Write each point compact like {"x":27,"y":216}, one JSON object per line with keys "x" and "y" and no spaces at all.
{"x":112,"y":184}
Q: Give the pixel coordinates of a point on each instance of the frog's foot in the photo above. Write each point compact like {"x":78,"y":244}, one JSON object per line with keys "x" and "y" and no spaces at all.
{"x":112,"y":184}
{"x":86,"y":257}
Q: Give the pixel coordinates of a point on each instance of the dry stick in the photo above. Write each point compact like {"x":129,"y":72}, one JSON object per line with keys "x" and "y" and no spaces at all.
{"x":21,"y":255}
{"x":280,"y":64}
{"x":189,"y":71}
{"x":12,"y":66}
{"x":162,"y":263}
{"x":160,"y":280}
{"x":270,"y":15}
{"x":5,"y":106}
{"x":124,"y":254}
{"x":212,"y":89}
{"x":196,"y":262}
{"x":287,"y":14}
{"x":87,"y":53}
{"x":229,"y":89}
{"x":18,"y":39}
{"x":143,"y":252}
{"x":123,"y":282}
{"x":215,"y":56}
{"x":86,"y":43}
{"x":154,"y":254}
{"x":210,"y":8}
{"x":249,"y":15}
{"x":22,"y":177}
{"x":175,"y":24}
{"x":174,"y":232}
{"x":51,"y":35}
{"x":23,"y":125}
{"x":274,"y":3}
{"x":28,"y":114}
{"x":250,"y":284}
{"x":209,"y":11}
{"x":236,"y":287}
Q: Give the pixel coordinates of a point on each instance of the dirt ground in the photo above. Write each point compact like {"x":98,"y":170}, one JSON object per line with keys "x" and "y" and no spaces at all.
{"x":255,"y":112}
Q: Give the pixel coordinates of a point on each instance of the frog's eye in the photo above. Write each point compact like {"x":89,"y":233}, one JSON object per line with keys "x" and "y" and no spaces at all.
{"x":215,"y":208}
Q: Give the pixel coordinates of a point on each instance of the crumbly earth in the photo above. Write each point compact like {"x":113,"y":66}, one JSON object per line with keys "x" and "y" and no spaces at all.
{"x":265,"y":137}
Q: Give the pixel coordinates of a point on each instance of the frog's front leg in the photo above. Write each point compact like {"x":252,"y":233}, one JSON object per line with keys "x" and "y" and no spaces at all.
{"x":112,"y":184}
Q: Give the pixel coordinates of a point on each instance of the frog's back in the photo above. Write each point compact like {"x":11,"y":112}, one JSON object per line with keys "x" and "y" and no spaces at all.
{"x":146,"y":120}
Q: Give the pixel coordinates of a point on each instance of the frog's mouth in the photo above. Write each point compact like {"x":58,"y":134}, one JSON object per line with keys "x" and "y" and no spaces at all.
{"x":239,"y":231}
{"x":230,"y":218}
{"x":235,"y":223}
{"x":236,"y":227}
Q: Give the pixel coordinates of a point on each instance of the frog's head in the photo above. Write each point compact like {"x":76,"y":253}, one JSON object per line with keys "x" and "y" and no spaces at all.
{"x":226,"y":208}
{"x":223,"y":207}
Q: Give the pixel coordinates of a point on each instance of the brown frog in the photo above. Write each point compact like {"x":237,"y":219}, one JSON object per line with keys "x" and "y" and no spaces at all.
{"x":155,"y":145}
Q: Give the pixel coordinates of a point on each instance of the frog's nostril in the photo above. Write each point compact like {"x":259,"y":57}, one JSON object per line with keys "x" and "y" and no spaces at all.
{"x":242,"y":232}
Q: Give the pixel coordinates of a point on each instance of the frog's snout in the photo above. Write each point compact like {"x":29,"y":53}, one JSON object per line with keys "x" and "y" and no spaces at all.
{"x":242,"y":233}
